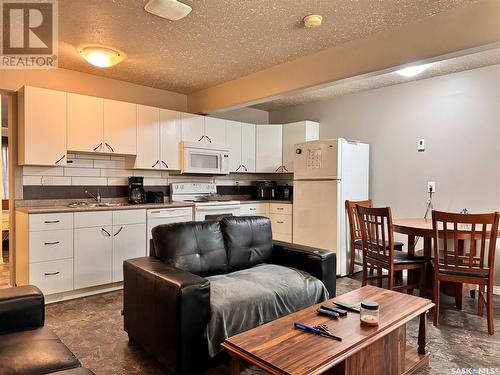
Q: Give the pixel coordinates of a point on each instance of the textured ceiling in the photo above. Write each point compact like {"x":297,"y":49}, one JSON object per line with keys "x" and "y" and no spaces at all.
{"x":221,"y":40}
{"x":353,"y":85}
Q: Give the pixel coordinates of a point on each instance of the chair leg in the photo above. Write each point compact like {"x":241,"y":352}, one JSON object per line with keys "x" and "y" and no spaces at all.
{"x":390,"y":286}
{"x":364,"y":277}
{"x":421,"y":274}
{"x":480,"y":301}
{"x":436,"y":302}
{"x":380,"y":279}
{"x":351,"y":265}
{"x":472,"y":293}
{"x":491,"y":329}
{"x":459,"y":296}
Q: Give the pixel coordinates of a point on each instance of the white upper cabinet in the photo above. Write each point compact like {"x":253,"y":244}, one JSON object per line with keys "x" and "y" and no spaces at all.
{"x":42,"y":127}
{"x":215,"y":131}
{"x":196,"y":128}
{"x":268,"y":150}
{"x":148,"y":138}
{"x":193,"y":127}
{"x":240,"y":140}
{"x":158,"y":138}
{"x":233,"y":142}
{"x":85,"y":123}
{"x":170,"y":138}
{"x":120,"y":123}
{"x":294,"y":133}
{"x":248,"y":147}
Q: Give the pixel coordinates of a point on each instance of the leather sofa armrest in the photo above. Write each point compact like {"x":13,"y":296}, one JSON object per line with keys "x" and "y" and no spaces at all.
{"x":166,"y":310}
{"x":21,"y":308}
{"x":320,"y":263}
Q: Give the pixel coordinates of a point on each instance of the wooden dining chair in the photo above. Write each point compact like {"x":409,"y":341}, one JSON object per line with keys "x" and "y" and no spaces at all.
{"x":378,"y":250}
{"x":355,"y":240}
{"x":464,"y":252}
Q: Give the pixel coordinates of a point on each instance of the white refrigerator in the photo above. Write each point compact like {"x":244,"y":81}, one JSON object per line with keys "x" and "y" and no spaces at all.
{"x":326,"y":174}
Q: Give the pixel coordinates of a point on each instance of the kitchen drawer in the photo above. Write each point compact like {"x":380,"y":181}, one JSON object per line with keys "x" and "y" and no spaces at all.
{"x":281,"y":223}
{"x":52,"y":277}
{"x":51,"y":245}
{"x":163,"y":213}
{"x":282,"y":237}
{"x":62,"y":220}
{"x":253,"y":209}
{"x":124,"y":217}
{"x":93,"y":219}
{"x":280,"y":208}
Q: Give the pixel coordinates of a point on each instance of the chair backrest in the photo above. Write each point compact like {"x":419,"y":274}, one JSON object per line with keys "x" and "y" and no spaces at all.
{"x":465,"y":243}
{"x":352,"y":217}
{"x":376,"y":233}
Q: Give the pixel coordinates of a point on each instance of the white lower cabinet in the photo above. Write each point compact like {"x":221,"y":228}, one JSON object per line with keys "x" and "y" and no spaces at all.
{"x":281,"y":221}
{"x":51,"y":277}
{"x":254,"y":209}
{"x":93,"y":251}
{"x":129,"y":241}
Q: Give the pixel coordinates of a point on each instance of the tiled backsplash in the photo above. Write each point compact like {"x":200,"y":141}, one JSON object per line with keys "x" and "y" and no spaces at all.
{"x":113,"y":171}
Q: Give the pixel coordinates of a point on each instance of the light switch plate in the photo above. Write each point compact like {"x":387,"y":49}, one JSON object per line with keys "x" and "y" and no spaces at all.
{"x":421,"y":145}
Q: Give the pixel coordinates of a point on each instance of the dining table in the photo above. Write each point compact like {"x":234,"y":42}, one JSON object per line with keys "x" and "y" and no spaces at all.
{"x":420,"y":228}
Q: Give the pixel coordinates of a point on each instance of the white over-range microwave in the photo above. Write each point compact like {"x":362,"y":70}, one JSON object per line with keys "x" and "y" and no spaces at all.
{"x":204,"y":158}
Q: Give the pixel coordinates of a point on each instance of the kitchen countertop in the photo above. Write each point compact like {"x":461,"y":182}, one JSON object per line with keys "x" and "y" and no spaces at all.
{"x":283,"y":201}
{"x":60,"y":208}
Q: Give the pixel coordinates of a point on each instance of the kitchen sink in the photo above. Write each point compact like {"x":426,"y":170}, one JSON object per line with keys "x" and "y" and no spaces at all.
{"x":106,"y":204}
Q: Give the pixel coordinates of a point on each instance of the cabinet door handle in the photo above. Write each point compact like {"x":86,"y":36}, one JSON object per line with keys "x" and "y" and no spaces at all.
{"x":51,"y":221}
{"x":104,"y":231}
{"x":280,"y":222}
{"x":284,"y":168}
{"x":280,"y":208}
{"x":51,"y":243}
{"x":208,"y":138}
{"x":155,"y":164}
{"x":51,"y":273}
{"x":119,"y":230}
{"x":199,"y":140}
{"x":111,"y":148}
{"x":253,"y":209}
{"x":277,"y":169}
{"x":165,"y":164}
{"x":60,"y":160}
{"x":98,"y":147}
{"x":237,"y":169}
{"x":246,"y":170}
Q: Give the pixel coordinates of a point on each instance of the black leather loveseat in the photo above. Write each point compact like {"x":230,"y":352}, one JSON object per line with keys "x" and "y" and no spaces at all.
{"x":173,"y":296}
{"x":26,"y":346}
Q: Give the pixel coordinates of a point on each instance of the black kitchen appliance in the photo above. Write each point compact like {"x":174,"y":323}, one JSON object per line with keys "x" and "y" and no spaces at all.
{"x":136,"y":193}
{"x":266,"y":189}
{"x":155,"y":196}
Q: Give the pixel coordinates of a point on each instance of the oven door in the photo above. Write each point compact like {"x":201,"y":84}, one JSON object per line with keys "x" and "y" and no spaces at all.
{"x":203,"y":213}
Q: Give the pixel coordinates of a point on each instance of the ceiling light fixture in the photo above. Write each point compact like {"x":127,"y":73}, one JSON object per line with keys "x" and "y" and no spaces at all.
{"x":101,"y":56}
{"x":413,"y":71}
{"x":313,"y":20}
{"x":172,"y":10}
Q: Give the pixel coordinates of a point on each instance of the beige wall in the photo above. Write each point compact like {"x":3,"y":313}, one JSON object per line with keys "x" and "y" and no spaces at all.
{"x":246,"y":114}
{"x":82,"y":83}
{"x":458,"y":115}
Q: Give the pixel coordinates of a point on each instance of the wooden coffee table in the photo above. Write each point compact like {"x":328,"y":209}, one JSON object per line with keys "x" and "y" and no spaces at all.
{"x":278,"y":348}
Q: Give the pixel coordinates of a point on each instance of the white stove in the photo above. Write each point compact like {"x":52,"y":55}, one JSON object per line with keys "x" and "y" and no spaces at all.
{"x":204,"y":197}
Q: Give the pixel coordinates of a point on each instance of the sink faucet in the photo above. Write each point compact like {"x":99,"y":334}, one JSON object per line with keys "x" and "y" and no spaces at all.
{"x":97,"y":197}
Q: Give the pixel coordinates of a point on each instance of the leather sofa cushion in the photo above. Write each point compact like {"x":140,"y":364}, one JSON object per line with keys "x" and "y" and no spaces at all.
{"x":74,"y":371}
{"x":196,"y":247}
{"x":249,"y":241}
{"x":37,"y":351}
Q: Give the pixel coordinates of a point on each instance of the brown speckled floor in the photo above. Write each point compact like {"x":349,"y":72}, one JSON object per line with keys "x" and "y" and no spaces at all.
{"x":92,"y":328}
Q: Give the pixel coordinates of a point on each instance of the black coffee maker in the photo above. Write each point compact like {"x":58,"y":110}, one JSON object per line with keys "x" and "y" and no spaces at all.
{"x":266,"y":189}
{"x":136,"y":194}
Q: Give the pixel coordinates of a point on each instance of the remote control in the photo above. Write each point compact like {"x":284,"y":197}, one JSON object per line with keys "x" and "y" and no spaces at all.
{"x":328,"y":313}
{"x":335,"y":310}
{"x":346,"y":306}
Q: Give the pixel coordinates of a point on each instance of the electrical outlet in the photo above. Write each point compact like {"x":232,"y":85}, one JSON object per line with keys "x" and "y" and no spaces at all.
{"x":431,"y":186}
{"x":421,"y":145}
